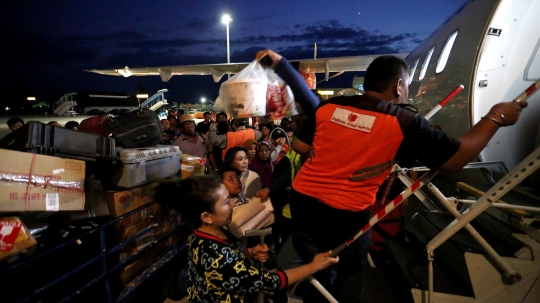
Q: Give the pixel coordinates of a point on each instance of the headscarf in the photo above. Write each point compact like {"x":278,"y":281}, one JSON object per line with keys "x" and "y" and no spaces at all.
{"x":263,"y":168}
{"x":247,"y":146}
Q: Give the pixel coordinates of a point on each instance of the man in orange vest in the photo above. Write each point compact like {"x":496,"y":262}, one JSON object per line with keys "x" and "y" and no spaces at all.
{"x":237,"y":137}
{"x":352,"y":143}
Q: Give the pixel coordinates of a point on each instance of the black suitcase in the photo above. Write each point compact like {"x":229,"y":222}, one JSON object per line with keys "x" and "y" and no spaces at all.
{"x":139,"y":128}
{"x":44,"y":139}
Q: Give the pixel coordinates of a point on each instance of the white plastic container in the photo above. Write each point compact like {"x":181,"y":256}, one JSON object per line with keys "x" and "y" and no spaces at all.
{"x":244,"y":97}
{"x":139,"y":166}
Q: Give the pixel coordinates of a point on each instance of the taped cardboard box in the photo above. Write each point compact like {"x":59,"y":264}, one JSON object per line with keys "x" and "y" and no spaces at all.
{"x":137,"y":217}
{"x":191,"y":166}
{"x":164,"y":225}
{"x":131,"y":271}
{"x":31,"y":182}
{"x":124,"y":201}
{"x":16,"y":241}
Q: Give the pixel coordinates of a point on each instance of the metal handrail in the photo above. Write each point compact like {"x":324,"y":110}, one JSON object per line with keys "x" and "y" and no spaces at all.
{"x":107,"y":270}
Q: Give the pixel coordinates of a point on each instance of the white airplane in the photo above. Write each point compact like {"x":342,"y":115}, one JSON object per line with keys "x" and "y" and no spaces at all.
{"x":326,"y":66}
{"x":492,"y":48}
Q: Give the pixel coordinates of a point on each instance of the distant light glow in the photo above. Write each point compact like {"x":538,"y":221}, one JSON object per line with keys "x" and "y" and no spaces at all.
{"x":31,"y":98}
{"x":7,"y":107}
{"x":326,"y":92}
{"x":203,"y":99}
{"x":142,"y":95}
{"x":226,"y":19}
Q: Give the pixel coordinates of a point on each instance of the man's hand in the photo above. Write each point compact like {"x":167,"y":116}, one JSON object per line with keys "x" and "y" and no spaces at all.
{"x":275,"y":57}
{"x":263,"y":194}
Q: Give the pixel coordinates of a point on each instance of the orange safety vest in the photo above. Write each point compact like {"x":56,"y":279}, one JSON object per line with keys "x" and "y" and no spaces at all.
{"x":237,"y":138}
{"x":353,"y":152}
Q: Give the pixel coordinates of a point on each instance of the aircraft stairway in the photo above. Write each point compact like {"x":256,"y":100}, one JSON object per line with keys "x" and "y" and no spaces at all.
{"x":157,"y":105}
{"x":462,"y":271}
{"x":156,"y":100}
{"x":64,"y":104}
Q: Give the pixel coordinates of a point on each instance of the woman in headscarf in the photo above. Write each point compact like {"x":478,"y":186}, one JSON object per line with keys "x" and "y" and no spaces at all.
{"x":262,"y":164}
{"x":251,"y":146}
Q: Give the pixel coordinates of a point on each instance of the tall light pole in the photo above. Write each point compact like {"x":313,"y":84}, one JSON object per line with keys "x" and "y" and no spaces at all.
{"x":227,"y":19}
{"x":203,"y":99}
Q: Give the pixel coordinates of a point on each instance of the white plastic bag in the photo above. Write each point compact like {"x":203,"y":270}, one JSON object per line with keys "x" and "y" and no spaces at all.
{"x":244,"y":94}
{"x":280,"y":99}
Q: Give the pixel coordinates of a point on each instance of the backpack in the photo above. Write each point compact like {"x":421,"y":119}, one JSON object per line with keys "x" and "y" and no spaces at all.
{"x":139,"y":128}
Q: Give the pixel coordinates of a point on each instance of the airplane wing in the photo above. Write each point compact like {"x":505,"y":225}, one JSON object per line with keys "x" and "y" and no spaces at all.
{"x":337,"y":64}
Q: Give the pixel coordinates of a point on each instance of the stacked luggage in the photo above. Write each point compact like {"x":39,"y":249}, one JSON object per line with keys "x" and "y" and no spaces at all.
{"x":67,"y":184}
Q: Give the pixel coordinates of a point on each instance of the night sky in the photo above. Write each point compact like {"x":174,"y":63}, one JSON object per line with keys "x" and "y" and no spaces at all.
{"x":47,"y":45}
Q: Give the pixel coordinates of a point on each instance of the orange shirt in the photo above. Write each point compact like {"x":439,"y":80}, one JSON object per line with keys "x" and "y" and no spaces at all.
{"x":237,"y":138}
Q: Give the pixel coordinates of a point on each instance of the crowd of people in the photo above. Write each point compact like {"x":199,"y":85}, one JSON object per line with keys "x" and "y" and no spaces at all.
{"x":16,"y":123}
{"x":322,"y":171}
{"x":329,"y":187}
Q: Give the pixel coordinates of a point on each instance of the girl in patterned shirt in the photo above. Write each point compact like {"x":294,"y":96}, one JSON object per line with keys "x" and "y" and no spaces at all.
{"x":219,"y":268}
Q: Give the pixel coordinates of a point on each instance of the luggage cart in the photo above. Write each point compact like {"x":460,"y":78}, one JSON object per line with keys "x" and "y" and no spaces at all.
{"x":97,"y":275}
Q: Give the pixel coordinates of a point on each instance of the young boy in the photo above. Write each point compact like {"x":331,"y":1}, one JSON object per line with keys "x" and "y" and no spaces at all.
{"x":231,"y":179}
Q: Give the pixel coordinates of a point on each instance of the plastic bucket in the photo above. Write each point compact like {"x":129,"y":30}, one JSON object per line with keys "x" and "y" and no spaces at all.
{"x":244,"y":98}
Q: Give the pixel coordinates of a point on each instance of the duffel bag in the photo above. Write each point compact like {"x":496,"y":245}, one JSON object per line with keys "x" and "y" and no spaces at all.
{"x":139,"y":128}
{"x":95,"y":125}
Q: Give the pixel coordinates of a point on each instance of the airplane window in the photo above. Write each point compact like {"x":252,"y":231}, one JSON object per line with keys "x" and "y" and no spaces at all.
{"x":532,"y":70}
{"x":413,"y":69}
{"x":425,"y":65}
{"x":445,"y":54}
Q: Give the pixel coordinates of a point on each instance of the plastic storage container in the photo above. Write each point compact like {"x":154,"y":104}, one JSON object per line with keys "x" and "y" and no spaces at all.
{"x":139,"y":166}
{"x":44,"y":139}
{"x":244,"y":98}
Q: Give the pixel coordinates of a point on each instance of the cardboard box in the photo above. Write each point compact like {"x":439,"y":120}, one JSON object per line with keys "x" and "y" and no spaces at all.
{"x":138,"y":217}
{"x":121,"y":202}
{"x":164,"y":224}
{"x":131,"y":271}
{"x":191,"y":166}
{"x":15,"y":240}
{"x":31,"y":182}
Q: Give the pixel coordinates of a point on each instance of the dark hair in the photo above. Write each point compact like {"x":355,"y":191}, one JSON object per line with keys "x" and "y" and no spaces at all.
{"x":268,"y":125}
{"x":285,"y":122}
{"x":191,"y":197}
{"x":225,"y":168}
{"x":12,"y":121}
{"x":222,"y":127}
{"x":278,"y":133}
{"x":384,"y":71}
{"x":169,"y":117}
{"x":228,"y":160}
{"x":180,"y":112}
{"x":206,"y":113}
{"x":238,"y":122}
{"x":71,"y":124}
